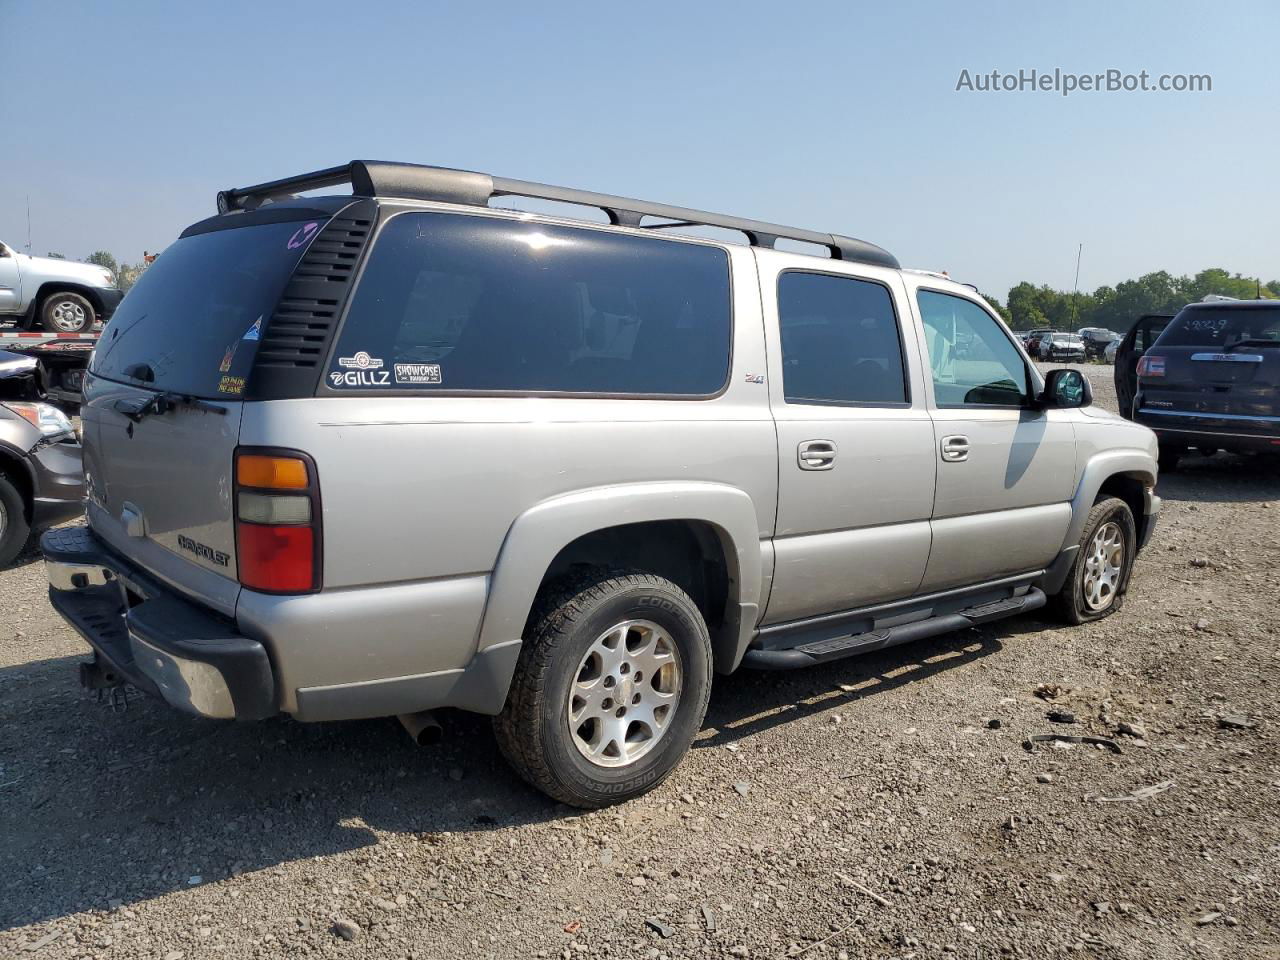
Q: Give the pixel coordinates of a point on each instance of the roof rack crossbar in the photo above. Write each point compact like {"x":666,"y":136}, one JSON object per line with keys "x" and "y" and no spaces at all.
{"x":370,"y":178}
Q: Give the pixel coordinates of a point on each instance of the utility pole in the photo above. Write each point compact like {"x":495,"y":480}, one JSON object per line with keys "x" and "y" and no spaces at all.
{"x":1076,"y":288}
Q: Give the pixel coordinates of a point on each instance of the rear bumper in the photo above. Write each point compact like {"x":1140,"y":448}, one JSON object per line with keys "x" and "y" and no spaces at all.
{"x":145,"y":634}
{"x":1260,"y":434}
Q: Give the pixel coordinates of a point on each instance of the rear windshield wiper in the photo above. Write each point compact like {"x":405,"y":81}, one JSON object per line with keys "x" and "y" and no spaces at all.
{"x":161,"y":403}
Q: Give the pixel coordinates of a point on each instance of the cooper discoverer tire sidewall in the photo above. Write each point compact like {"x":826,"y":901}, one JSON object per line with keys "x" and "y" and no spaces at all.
{"x":533,"y":730}
{"x":1070,"y":600}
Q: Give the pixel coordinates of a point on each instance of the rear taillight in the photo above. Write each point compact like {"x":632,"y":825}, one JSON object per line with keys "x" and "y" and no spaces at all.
{"x":277,"y":521}
{"x":1150,"y":366}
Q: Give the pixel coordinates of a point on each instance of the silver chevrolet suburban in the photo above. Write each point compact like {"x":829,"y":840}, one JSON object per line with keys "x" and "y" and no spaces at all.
{"x":378,"y":454}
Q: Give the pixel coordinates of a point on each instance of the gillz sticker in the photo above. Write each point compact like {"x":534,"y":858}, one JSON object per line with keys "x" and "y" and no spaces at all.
{"x":418,"y":373}
{"x":227,"y":357}
{"x":361,"y":361}
{"x":360,"y":378}
{"x":254,"y":332}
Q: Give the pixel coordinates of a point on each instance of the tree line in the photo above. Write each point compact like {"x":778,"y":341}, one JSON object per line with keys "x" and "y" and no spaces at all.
{"x":1116,"y":308}
{"x":126,"y":274}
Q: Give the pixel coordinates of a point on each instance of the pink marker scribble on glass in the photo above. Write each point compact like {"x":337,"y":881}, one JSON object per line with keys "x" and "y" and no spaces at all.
{"x":302,"y":235}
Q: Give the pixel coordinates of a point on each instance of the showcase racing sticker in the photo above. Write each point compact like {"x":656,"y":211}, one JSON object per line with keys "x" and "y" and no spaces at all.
{"x":418,"y":373}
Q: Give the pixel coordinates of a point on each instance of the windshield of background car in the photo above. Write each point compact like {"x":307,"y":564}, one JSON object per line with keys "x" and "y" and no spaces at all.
{"x":1220,"y":327}
{"x":192,"y":322}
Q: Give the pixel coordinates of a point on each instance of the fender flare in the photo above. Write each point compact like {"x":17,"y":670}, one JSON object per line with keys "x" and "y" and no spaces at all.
{"x":1101,"y":467}
{"x":539,"y":534}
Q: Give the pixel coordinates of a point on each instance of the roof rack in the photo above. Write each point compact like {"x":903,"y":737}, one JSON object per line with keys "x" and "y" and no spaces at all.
{"x":373,"y":178}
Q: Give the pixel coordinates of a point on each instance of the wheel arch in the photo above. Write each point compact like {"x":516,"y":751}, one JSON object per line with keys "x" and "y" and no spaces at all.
{"x":1125,"y":473}
{"x":14,"y":465}
{"x":703,"y":536}
{"x":50,"y":287}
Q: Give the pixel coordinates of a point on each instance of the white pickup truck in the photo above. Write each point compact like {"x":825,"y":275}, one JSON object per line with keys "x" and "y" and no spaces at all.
{"x":68,"y":302}
{"x":61,"y":296}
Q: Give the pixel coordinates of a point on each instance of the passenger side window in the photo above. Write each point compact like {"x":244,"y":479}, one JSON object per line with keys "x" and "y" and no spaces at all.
{"x":840,"y":341}
{"x":972,"y":360}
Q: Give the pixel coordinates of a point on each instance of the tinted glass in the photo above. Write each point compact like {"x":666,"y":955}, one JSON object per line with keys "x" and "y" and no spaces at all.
{"x":972,"y":361}
{"x":452,"y":302}
{"x":191,"y":322}
{"x":1222,"y":326}
{"x":840,"y":341}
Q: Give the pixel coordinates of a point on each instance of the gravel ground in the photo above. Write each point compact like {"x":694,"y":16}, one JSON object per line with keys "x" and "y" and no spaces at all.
{"x":880,"y":807}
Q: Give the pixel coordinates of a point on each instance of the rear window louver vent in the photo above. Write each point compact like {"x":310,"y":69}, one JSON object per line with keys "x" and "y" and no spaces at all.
{"x":301,"y":326}
{"x":297,"y":336}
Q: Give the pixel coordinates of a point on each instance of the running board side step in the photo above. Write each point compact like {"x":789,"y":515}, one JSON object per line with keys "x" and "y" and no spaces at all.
{"x":837,"y":648}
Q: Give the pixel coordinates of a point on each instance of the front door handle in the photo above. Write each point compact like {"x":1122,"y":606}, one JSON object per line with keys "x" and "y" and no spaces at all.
{"x":955,"y":448}
{"x":816,"y":455}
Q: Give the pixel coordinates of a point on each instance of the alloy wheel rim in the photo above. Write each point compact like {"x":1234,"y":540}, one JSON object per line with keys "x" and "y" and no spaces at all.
{"x":623,"y":698}
{"x":68,"y":315}
{"x":1103,"y":565}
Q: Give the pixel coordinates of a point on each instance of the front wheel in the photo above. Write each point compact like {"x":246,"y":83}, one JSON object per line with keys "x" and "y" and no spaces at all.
{"x":1169,"y":458}
{"x":610,"y":689}
{"x":14,"y":530}
{"x":1099,"y":576}
{"x":67,"y":313}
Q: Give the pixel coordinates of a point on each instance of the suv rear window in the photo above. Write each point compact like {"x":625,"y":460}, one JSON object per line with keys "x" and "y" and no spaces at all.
{"x":1222,"y":327}
{"x":191,"y":323}
{"x":450,"y":302}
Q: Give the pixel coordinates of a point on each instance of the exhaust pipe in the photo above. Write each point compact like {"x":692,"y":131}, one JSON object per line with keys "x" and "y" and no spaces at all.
{"x":423,"y":727}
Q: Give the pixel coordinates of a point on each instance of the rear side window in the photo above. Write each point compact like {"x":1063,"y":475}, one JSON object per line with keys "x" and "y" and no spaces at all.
{"x":451,"y":302}
{"x":1222,"y":327}
{"x":840,"y":342}
{"x":191,"y":323}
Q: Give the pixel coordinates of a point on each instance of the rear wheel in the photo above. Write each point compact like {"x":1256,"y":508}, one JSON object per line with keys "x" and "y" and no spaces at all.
{"x":66,"y":313}
{"x":610,"y":689}
{"x":1099,"y":576}
{"x":14,"y":530}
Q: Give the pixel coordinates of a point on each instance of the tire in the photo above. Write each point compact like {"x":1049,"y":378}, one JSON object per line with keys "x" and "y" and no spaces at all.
{"x":567,"y":665}
{"x":66,"y":312}
{"x":1085,"y":596}
{"x":1169,"y":458}
{"x":14,"y":530}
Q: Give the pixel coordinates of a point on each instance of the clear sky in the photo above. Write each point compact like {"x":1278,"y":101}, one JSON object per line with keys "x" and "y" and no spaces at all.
{"x":121,"y":120}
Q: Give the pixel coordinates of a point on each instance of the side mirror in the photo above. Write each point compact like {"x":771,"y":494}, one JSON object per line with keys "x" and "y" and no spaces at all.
{"x":1066,"y":389}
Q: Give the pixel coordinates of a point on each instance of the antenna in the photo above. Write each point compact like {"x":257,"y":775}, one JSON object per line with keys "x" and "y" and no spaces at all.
{"x":1076,"y":289}
{"x":28,"y":224}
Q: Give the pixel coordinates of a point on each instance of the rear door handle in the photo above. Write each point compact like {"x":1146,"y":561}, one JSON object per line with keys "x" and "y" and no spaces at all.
{"x":816,"y":455}
{"x":955,"y":448}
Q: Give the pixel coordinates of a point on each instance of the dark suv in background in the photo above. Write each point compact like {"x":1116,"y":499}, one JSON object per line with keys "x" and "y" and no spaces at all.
{"x":1212,"y":380}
